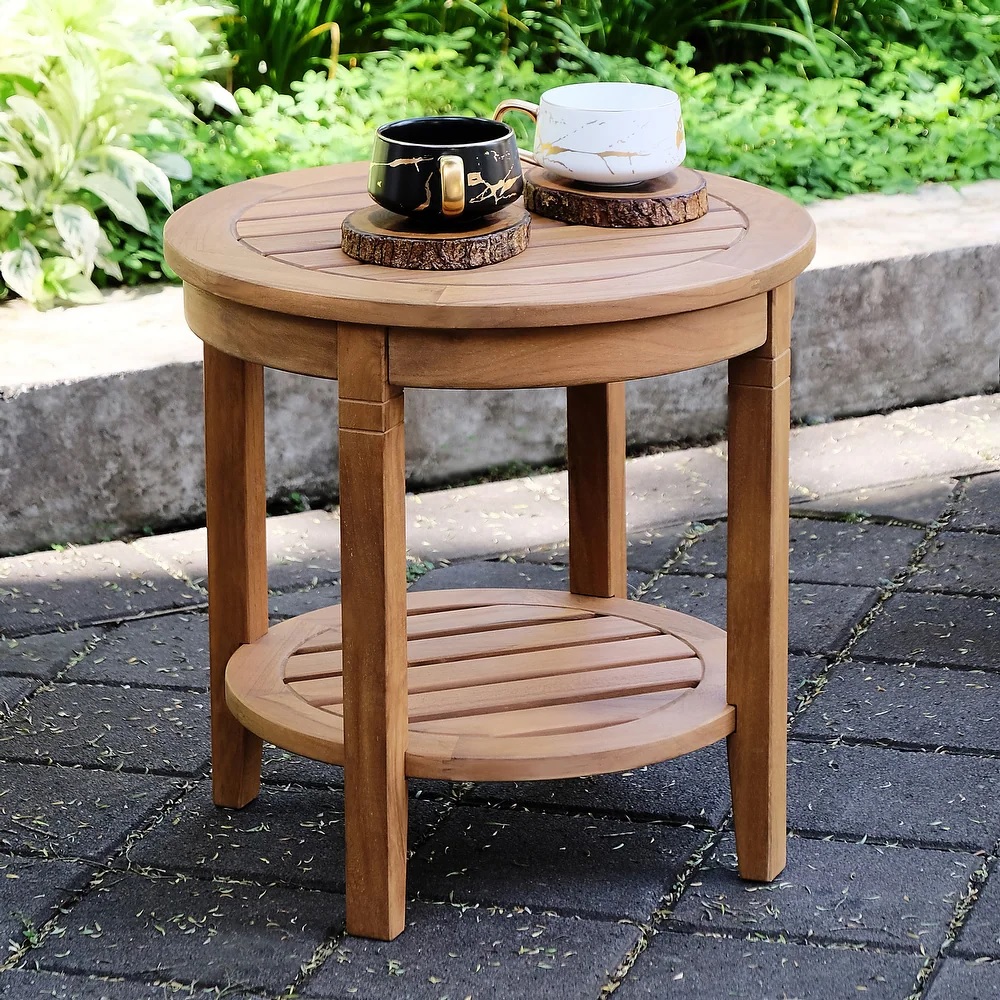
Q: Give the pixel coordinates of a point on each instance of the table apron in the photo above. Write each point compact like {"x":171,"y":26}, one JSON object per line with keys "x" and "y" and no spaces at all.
{"x":298,"y":344}
{"x":576,"y":355}
{"x":489,"y":359}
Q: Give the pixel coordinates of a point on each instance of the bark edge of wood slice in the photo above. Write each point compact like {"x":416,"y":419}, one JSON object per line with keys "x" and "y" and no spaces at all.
{"x":678,"y":197}
{"x":373,"y":235}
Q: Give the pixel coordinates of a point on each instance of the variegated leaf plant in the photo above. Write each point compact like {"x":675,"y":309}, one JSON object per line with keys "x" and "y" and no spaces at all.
{"x":79,"y":81}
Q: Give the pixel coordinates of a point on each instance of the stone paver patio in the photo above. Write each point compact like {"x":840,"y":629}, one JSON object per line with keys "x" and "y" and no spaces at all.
{"x":121,"y":880}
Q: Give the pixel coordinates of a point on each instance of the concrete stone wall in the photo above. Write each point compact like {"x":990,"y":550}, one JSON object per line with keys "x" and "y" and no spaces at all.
{"x":100,"y":407}
{"x":896,"y":332}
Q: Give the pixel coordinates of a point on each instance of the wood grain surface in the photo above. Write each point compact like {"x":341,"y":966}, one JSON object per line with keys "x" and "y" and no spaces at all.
{"x":373,"y":582}
{"x":504,"y":685}
{"x":235,"y":495}
{"x":595,"y":454}
{"x":275,"y":243}
{"x":491,"y":684}
{"x":757,"y":598}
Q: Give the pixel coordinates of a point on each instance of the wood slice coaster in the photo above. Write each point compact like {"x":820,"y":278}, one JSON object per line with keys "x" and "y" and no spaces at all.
{"x":680,"y":196}
{"x":375,"y":235}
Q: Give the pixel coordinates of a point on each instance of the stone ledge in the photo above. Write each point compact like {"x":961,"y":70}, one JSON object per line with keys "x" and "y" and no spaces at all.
{"x":100,"y":407}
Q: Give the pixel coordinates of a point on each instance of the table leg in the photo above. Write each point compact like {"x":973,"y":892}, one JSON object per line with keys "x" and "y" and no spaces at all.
{"x":595,"y":446}
{"x":373,"y":555}
{"x":757,"y":614}
{"x":237,"y":556}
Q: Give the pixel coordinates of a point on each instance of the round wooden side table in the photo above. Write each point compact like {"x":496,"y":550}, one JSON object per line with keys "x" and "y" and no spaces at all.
{"x":490,"y":684}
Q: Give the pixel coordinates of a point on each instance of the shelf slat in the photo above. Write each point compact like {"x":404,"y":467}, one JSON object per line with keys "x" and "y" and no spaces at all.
{"x":552,"y":719}
{"x":567,"y":689}
{"x":427,"y":626}
{"x":495,"y":642}
{"x":326,"y":689}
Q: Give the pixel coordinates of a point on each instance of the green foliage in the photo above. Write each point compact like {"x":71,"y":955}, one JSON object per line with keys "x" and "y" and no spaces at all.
{"x":79,"y":81}
{"x":332,"y":120}
{"x":913,"y":121}
{"x":276,"y":41}
{"x":823,"y":138}
{"x":287,"y":37}
{"x":967,"y":31}
{"x":416,"y":568}
{"x":824,"y":36}
{"x":29,"y":931}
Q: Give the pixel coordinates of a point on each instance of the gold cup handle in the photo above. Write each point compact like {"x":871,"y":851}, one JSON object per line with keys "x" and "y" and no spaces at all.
{"x":452,"y":185}
{"x":527,"y":108}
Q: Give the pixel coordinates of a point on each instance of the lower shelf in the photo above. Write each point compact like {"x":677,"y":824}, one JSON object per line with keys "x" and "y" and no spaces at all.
{"x":504,"y":685}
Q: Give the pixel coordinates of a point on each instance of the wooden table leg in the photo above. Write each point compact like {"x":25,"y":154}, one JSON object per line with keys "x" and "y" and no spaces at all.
{"x":237,"y":556}
{"x":373,"y":570}
{"x":595,"y":447}
{"x":757,"y":618}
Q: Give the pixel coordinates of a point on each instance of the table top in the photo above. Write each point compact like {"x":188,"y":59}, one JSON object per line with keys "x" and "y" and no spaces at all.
{"x":274,"y":243}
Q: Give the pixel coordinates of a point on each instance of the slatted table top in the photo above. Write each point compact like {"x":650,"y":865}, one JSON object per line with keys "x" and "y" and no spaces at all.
{"x":274,"y":242}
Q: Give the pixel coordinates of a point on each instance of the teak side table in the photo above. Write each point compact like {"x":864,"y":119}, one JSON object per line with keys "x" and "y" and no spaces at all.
{"x":491,"y":684}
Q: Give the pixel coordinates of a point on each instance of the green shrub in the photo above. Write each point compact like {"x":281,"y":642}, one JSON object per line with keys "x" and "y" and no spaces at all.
{"x":826,"y":138}
{"x":825,"y":37}
{"x":275,"y":42}
{"x":915,"y":121}
{"x":288,"y":37}
{"x":80,"y":80}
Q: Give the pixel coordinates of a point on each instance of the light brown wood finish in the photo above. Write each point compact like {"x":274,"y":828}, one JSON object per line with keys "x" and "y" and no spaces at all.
{"x":471,"y":641}
{"x":488,"y":358}
{"x":207,"y":245}
{"x":493,"y":695}
{"x":576,"y":355}
{"x":678,"y":197}
{"x":427,"y":626}
{"x":556,"y":242}
{"x":595,"y":449}
{"x":551,"y":720}
{"x":320,"y":682}
{"x":373,"y":572}
{"x":503,"y":684}
{"x":291,"y":343}
{"x":654,"y":688}
{"x":757,"y":596}
{"x":237,"y":557}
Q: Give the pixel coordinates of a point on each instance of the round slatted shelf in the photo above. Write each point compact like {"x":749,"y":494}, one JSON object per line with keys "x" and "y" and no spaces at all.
{"x":505,"y":685}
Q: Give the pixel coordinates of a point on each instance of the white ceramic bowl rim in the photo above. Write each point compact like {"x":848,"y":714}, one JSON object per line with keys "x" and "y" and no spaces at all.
{"x":610,"y":98}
